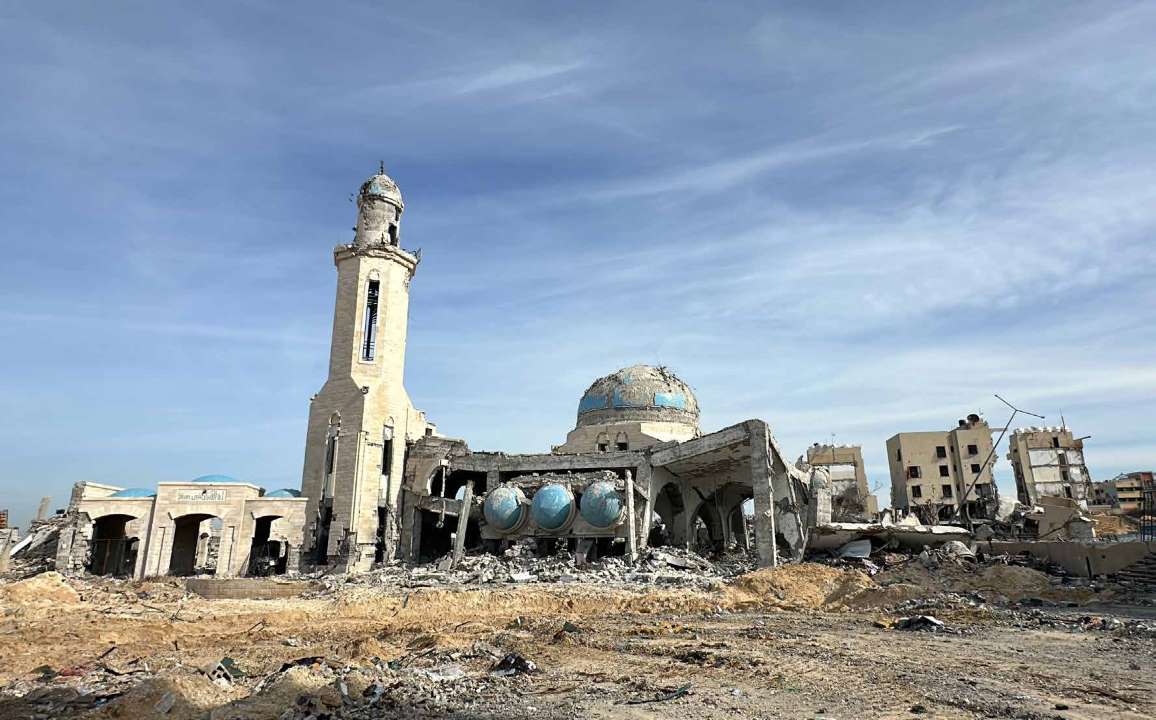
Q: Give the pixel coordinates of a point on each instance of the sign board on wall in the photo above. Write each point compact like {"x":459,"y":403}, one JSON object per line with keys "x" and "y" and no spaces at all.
{"x":215,"y":495}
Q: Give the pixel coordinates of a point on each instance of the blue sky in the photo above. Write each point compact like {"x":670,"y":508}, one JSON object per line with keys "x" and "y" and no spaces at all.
{"x":844,"y":218}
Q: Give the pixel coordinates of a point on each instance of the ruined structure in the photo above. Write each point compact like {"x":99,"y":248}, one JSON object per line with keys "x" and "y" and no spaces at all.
{"x":379,"y":483}
{"x":851,"y":498}
{"x":942,"y":474}
{"x":362,"y":419}
{"x":382,"y":483}
{"x":1049,"y":462}
{"x":213,"y":524}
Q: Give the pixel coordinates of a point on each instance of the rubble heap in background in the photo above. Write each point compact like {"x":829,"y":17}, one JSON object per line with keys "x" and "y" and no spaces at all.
{"x":662,"y":566}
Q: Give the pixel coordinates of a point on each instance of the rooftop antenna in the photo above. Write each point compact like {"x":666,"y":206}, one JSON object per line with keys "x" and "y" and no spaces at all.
{"x":380,"y":167}
{"x":1063,"y":423}
{"x":1015,"y":411}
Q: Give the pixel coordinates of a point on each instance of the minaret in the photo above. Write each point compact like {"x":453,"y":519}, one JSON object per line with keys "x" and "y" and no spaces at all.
{"x":362,"y":419}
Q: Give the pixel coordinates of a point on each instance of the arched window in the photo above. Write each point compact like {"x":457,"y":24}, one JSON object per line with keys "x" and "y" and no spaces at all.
{"x":621,"y":442}
{"x":602,"y":443}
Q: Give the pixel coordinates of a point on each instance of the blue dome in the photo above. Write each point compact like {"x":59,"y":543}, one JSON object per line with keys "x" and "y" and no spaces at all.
{"x":638,"y":393}
{"x":134,"y":493}
{"x":552,"y":507}
{"x":601,"y":505}
{"x":505,"y":508}
{"x":215,"y":479}
{"x":284,"y":492}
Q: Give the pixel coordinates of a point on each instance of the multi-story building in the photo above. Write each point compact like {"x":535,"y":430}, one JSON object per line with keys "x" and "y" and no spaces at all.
{"x":1099,"y":494}
{"x":940,"y":474}
{"x":1049,"y":462}
{"x":851,"y":498}
{"x":1126,"y":490}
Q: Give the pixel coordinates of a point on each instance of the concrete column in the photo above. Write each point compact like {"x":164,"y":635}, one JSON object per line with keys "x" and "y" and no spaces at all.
{"x":761,"y":483}
{"x":463,"y":524}
{"x":631,"y":521}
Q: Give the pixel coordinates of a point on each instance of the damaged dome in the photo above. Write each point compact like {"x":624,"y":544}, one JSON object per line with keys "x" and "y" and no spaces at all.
{"x":638,"y":393}
{"x":381,"y":186}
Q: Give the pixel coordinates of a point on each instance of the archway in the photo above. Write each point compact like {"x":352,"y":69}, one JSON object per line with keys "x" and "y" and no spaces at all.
{"x":670,"y":509}
{"x":267,"y":556}
{"x":195,"y":541}
{"x":112,"y":552}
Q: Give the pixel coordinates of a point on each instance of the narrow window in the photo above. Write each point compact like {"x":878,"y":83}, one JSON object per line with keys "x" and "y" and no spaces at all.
{"x":899,"y":454}
{"x":973,"y":449}
{"x":1055,"y":442}
{"x":386,"y":450}
{"x":975,"y":468}
{"x":621,"y":442}
{"x":946,"y":490}
{"x":603,"y":447}
{"x":330,"y":462}
{"x":916,"y":491}
{"x":1066,"y":475}
{"x":1068,"y":491}
{"x":913,"y":472}
{"x":944,"y":472}
{"x":940,"y":451}
{"x":369,"y":336}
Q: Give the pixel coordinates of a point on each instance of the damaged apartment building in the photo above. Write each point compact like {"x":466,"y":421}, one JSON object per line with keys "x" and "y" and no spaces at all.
{"x":944,"y":474}
{"x":1049,"y":462}
{"x":380,"y":483}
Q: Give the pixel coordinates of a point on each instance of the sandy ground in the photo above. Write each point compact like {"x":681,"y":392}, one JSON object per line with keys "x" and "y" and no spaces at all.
{"x":801,"y":642}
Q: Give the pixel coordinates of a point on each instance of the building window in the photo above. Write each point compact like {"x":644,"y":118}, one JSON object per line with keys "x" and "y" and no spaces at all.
{"x":386,"y":450}
{"x":1068,"y":491}
{"x":913,"y":472}
{"x":898,"y":454}
{"x":603,"y":442}
{"x":1066,"y":475}
{"x":975,"y":468}
{"x":623,"y":446}
{"x":1055,"y":442}
{"x":944,"y":472}
{"x":940,"y":451}
{"x":369,"y":332}
{"x":621,"y":442}
{"x":916,"y":491}
{"x":946,"y":490}
{"x":973,"y":449}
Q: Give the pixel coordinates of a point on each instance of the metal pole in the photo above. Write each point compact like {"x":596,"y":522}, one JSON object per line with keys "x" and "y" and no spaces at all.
{"x":990,"y":455}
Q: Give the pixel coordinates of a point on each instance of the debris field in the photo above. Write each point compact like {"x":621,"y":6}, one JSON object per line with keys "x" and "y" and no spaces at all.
{"x":930,"y":635}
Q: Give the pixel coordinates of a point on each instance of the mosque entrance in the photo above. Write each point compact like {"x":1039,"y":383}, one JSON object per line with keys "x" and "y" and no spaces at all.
{"x":196,"y":539}
{"x":112,"y":553}
{"x":267,"y":556}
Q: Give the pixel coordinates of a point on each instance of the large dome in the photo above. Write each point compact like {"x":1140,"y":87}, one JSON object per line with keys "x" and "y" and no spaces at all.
{"x":382,"y":186}
{"x":638,"y":393}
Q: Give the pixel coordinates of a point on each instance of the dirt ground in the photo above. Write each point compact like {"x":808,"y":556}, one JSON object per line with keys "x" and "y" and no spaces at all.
{"x":807,"y":641}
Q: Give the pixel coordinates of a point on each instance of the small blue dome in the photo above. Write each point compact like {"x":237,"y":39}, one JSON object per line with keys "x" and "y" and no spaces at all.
{"x":215,"y":479}
{"x":134,"y":493}
{"x":505,"y":508}
{"x":601,"y":505}
{"x":552,"y":507}
{"x":284,"y":492}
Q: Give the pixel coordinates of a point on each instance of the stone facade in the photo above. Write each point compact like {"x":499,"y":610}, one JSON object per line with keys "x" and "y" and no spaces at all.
{"x":362,"y":420}
{"x":183,"y":528}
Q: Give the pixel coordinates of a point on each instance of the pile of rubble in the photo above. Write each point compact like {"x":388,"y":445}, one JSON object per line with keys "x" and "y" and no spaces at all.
{"x":36,"y":552}
{"x":662,"y":566}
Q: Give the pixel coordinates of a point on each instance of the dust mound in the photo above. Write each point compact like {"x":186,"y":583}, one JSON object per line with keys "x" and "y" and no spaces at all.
{"x":174,"y":696}
{"x":44,"y":589}
{"x":805,"y":586}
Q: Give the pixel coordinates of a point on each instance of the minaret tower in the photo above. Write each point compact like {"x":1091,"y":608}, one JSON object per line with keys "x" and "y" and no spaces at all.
{"x":361,"y":420}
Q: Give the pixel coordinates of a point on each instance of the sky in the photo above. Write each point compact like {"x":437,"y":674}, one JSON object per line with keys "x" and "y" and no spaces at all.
{"x":847,"y":219}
